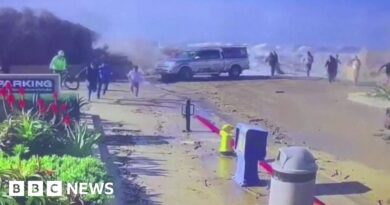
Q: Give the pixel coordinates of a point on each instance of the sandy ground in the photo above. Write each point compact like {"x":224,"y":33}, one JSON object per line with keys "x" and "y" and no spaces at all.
{"x":145,"y":139}
{"x":345,"y":137}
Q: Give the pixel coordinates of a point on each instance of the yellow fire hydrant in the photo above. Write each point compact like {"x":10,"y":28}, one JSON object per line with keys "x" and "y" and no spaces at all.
{"x":226,"y":134}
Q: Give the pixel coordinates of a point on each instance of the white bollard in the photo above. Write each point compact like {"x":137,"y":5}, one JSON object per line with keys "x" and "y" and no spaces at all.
{"x":293,"y":177}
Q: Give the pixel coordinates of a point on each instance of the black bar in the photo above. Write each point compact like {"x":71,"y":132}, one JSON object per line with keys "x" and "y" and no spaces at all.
{"x":294,"y":178}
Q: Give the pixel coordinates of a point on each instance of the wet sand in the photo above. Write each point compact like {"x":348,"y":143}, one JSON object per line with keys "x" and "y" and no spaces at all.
{"x":144,"y":138}
{"x":346,"y":135}
{"x":341,"y":134}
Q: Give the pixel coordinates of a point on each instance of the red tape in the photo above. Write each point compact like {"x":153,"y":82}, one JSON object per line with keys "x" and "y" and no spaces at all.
{"x":208,"y":124}
{"x":267,"y":168}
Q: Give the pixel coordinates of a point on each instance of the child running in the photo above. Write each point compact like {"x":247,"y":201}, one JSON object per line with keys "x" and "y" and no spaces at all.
{"x":135,"y":78}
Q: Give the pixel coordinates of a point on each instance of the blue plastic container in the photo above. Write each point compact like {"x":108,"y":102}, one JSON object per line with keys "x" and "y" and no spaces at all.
{"x":250,"y":147}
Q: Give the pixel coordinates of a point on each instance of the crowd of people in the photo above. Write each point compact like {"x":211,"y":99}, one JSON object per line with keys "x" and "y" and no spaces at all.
{"x":331,"y":65}
{"x":98,"y":75}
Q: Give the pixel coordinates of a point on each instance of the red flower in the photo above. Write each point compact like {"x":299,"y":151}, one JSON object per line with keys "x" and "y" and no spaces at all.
{"x":55,"y":96}
{"x":42,"y":109}
{"x":64,"y":108}
{"x":40,"y":102}
{"x":10,"y":99}
{"x":8,"y":86}
{"x":3,"y":92}
{"x":22,"y":104}
{"x":66,"y":120}
{"x":22,"y":91}
{"x":54,"y":108}
{"x":41,"y":105}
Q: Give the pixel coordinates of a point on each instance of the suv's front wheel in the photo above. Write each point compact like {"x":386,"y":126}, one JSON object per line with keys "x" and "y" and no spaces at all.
{"x":235,"y":72}
{"x":185,"y":73}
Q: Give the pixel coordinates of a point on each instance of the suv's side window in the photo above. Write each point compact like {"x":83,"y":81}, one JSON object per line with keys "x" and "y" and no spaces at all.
{"x":209,"y":54}
{"x":235,"y":53}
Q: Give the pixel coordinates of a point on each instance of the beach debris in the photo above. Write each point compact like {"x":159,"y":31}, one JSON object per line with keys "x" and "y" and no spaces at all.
{"x":279,"y":91}
{"x":197,"y":145}
{"x":280,"y":137}
{"x":256,"y":120}
{"x":335,"y":174}
{"x":346,"y":177}
{"x":380,"y":202}
{"x":205,"y":183}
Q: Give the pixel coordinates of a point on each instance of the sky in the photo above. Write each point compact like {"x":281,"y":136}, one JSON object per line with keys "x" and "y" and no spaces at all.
{"x":363,"y":23}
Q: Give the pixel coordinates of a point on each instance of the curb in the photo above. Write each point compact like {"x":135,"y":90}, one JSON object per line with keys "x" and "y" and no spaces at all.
{"x":111,"y":168}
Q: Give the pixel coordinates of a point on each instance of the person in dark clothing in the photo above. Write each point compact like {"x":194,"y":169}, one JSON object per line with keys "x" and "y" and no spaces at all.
{"x":331,"y":65}
{"x":105,"y":74}
{"x":272,"y":61}
{"x":92,"y":74}
{"x":387,"y":70}
{"x":309,"y":62}
{"x":277,"y":65}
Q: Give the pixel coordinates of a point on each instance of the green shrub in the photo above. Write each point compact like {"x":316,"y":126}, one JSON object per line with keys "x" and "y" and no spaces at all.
{"x":40,"y":137}
{"x":66,"y":169}
{"x":27,"y":130}
{"x":80,"y":140}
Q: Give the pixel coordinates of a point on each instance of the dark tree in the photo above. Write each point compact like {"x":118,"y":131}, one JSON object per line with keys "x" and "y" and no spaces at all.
{"x":28,"y":37}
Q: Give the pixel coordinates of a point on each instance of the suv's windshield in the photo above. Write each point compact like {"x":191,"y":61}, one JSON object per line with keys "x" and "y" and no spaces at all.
{"x":186,"y":55}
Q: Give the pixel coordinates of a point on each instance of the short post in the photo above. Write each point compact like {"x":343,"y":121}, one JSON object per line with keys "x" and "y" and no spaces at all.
{"x":293,"y":177}
{"x":187,"y":110}
{"x":226,"y":135}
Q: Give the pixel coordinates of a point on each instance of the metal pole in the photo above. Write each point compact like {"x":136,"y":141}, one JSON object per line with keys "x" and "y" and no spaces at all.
{"x":188,"y":115}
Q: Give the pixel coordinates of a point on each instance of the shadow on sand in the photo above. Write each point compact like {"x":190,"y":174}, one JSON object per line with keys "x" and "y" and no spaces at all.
{"x":343,"y":188}
{"x":145,"y":103}
{"x":130,"y":166}
{"x":242,"y":78}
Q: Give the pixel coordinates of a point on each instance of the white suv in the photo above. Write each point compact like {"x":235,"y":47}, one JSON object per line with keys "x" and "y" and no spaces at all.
{"x":213,"y":61}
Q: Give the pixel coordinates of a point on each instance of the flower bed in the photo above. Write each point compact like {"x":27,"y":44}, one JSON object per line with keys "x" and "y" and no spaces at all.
{"x":41,"y":137}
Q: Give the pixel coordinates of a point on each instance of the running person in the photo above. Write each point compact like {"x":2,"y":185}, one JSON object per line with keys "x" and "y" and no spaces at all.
{"x":356,"y":64}
{"x":272,"y":61}
{"x":135,"y":78}
{"x":331,"y":65}
{"x":309,"y":62}
{"x":92,"y":74}
{"x":105,"y":74}
{"x":387,"y":66}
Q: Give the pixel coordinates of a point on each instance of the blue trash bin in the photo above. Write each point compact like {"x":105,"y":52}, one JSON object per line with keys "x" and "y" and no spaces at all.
{"x":250,"y":148}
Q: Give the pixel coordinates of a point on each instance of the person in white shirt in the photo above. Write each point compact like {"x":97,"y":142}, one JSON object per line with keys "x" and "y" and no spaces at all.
{"x":135,"y":79}
{"x":356,"y":64}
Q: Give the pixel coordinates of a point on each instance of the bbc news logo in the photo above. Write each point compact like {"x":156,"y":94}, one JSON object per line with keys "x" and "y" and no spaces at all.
{"x":56,"y":188}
